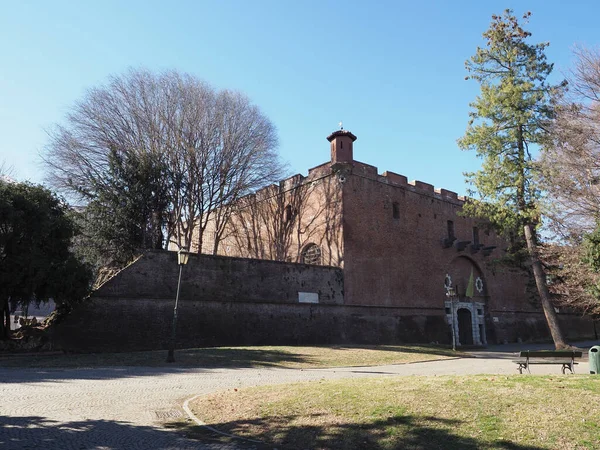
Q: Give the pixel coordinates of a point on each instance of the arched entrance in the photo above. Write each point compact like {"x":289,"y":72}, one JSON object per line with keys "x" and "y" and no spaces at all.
{"x":465,"y":326}
{"x":465,"y":301}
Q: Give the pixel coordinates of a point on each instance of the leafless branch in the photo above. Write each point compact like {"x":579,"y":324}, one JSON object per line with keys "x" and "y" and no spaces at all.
{"x":217,"y":146}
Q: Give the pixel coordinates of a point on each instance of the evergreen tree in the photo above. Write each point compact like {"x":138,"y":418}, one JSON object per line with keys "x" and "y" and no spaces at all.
{"x":507,"y":119}
{"x":127,"y":210}
{"x":36,"y":263}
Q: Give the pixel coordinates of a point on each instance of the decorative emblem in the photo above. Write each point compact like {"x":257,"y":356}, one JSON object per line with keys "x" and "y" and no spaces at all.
{"x":479,"y":285}
{"x":448,"y":281}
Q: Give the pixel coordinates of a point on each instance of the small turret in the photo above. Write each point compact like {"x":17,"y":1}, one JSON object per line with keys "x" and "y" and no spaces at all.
{"x":341,"y":146}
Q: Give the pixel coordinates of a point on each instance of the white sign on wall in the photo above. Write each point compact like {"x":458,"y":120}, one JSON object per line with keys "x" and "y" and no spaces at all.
{"x":308,"y":297}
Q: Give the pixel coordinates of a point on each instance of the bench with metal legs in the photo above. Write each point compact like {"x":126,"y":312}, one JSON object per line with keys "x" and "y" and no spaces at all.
{"x":564,"y":358}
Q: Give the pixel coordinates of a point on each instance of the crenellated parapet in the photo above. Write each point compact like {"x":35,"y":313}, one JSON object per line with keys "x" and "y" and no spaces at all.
{"x":292,"y":182}
{"x":349,"y":166}
{"x":418,"y":186}
{"x":446,"y":194}
{"x":271,"y":190}
{"x":267,"y":192}
{"x":394,"y":178}
{"x":422,"y":186}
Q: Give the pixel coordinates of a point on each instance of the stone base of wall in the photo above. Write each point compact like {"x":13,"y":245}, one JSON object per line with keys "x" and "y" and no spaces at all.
{"x":524,"y":327}
{"x":113,"y":324}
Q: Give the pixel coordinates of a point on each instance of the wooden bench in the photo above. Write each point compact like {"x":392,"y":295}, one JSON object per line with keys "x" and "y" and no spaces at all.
{"x":566,"y":358}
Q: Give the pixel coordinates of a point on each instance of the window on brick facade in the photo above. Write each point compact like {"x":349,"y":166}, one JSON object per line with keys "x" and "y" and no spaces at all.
{"x":396,"y":210}
{"x":311,"y":254}
{"x":451,"y":235}
{"x":475,"y":236}
{"x":287,"y":217}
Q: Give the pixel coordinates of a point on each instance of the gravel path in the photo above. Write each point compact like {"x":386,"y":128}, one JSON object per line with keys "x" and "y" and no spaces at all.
{"x":124,"y":408}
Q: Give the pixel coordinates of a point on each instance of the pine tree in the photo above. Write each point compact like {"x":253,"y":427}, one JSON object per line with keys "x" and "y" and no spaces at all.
{"x":507,"y":119}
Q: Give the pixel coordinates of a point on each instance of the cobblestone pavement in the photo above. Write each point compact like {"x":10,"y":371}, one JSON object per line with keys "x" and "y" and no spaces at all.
{"x":124,"y":408}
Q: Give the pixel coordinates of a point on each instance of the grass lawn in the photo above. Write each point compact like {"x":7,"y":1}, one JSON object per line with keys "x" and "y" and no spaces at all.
{"x":472,"y":412}
{"x":290,"y":357}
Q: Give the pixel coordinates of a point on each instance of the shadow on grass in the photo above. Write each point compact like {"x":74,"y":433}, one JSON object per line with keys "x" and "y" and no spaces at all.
{"x":38,"y":432}
{"x":199,"y":358}
{"x":395,"y":433}
{"x":437,"y":350}
{"x":59,"y":367}
{"x":217,"y":357}
{"x":123,"y":365}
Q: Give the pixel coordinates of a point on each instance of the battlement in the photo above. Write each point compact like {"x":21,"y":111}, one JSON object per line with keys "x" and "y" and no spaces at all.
{"x":394,"y":178}
{"x":366,"y":171}
{"x":342,"y":156}
{"x":418,"y":186}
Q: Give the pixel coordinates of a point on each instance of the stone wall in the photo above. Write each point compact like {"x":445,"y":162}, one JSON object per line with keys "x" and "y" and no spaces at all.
{"x":236,"y":301}
{"x":115,"y":324}
{"x":520,"y":326}
{"x":226,"y":279}
{"x":222,"y":300}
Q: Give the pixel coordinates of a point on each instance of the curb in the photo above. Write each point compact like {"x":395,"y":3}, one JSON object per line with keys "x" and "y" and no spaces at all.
{"x":192,"y":416}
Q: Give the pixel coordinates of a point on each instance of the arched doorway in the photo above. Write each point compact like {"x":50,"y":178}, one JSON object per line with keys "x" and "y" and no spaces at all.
{"x":465,"y":304}
{"x":465,"y":326}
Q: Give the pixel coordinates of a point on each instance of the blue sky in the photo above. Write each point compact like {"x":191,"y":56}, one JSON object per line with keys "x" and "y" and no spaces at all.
{"x":393,"y":72}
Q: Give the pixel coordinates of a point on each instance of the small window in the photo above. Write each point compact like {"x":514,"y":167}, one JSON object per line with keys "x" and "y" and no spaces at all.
{"x":287,"y":217}
{"x":448,"y":311}
{"x":311,"y":254}
{"x":480,"y":312}
{"x":475,"y":236}
{"x":451,"y":235}
{"x":396,"y":210}
{"x":341,"y":144}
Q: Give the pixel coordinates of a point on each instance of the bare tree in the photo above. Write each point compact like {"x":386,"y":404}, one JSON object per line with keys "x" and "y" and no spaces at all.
{"x":241,"y":161}
{"x":279,"y":221}
{"x":571,"y":160}
{"x":214,"y":147}
{"x":264,"y":225}
{"x":573,"y":282}
{"x":571,"y":172}
{"x":6,"y":171}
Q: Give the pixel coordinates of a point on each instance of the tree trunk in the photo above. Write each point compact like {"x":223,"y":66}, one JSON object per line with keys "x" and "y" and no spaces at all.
{"x":540,"y":281}
{"x":2,"y":326}
{"x":4,"y":319}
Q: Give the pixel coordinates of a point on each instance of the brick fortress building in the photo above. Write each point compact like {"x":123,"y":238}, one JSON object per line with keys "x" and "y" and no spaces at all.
{"x":401,"y":245}
{"x":343,"y":255}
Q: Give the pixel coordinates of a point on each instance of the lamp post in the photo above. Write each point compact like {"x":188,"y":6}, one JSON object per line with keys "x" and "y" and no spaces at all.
{"x":182,"y":259}
{"x":450,"y":293}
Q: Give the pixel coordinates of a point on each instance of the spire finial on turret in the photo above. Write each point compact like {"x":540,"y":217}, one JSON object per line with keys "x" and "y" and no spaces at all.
{"x":341,"y":125}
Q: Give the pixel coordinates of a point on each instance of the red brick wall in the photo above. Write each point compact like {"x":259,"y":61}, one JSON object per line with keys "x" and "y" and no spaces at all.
{"x":402,"y":262}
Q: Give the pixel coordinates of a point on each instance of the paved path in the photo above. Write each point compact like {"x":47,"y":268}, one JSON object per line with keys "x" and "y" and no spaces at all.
{"x":123,"y":408}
